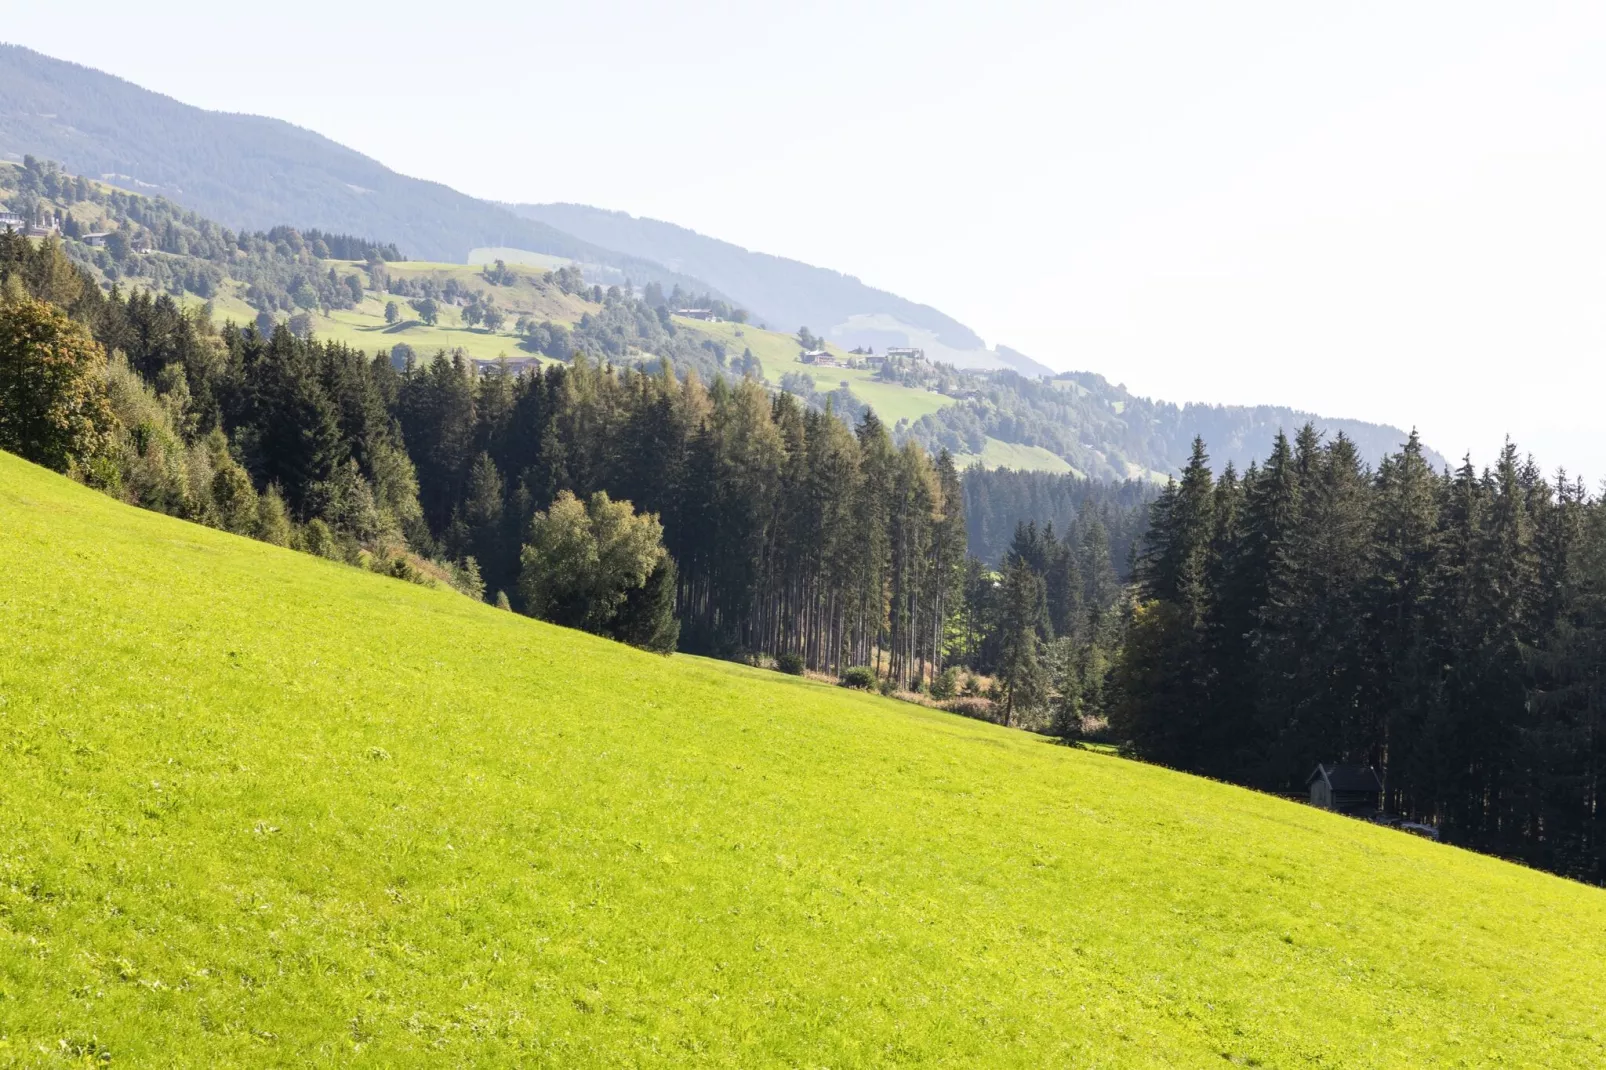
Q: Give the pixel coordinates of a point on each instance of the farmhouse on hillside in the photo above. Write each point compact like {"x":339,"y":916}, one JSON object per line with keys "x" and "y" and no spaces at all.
{"x":906,"y":353}
{"x":705,"y":314}
{"x":1347,"y":789}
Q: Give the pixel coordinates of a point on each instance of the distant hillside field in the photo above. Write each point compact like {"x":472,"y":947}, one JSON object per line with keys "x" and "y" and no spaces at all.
{"x":257,"y":807}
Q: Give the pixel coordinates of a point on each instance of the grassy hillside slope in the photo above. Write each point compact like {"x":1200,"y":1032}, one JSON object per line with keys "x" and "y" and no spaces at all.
{"x":258,"y":807}
{"x":777,"y":354}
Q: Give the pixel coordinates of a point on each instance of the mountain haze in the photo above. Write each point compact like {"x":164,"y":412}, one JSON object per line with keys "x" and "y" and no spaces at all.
{"x":783,"y":292}
{"x":252,"y":173}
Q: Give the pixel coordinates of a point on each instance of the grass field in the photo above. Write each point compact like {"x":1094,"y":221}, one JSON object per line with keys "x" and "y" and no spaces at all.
{"x":257,"y":807}
{"x":364,"y":328}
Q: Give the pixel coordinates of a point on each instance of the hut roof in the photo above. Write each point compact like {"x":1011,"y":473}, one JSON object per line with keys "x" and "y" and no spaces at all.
{"x":1347,"y":777}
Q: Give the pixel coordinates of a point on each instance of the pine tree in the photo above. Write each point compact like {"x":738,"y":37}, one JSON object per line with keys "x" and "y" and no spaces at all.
{"x":1022,"y":678}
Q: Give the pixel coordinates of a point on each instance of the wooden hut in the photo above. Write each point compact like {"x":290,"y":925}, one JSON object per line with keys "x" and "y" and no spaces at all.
{"x":1345,"y":788}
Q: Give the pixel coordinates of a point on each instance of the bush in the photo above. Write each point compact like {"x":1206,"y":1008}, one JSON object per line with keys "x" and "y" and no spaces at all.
{"x":790,"y":663}
{"x":859,"y":676}
{"x":946,"y":684}
{"x":319,"y":541}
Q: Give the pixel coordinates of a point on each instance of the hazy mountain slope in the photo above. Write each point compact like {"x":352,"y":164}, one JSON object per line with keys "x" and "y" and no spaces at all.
{"x":250,"y":172}
{"x":785,"y":293}
{"x":1105,"y":431}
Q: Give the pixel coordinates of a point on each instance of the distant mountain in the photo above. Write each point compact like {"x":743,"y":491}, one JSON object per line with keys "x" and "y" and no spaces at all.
{"x":786,"y":294}
{"x":1105,"y":431}
{"x":252,"y":173}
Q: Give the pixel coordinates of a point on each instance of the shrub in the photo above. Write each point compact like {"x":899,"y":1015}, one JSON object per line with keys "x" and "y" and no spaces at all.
{"x":273,"y":521}
{"x":979,"y":708}
{"x":319,"y":541}
{"x":859,"y":676}
{"x":790,"y":663}
{"x":946,"y":684}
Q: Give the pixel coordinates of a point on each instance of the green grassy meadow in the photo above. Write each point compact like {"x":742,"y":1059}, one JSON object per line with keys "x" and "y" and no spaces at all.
{"x":777,"y":352}
{"x":257,"y":807}
{"x":1000,"y":454}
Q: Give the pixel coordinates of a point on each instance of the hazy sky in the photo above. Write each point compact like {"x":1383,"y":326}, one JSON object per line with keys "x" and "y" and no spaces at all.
{"x":1389,"y":211}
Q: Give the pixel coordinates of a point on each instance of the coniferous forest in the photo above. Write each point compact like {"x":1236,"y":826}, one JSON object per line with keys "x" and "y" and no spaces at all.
{"x":1447,"y":627}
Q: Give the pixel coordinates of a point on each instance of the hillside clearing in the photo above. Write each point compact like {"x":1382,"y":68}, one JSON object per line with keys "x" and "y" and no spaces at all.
{"x":259,"y":807}
{"x":777,"y":353}
{"x":998,"y":454}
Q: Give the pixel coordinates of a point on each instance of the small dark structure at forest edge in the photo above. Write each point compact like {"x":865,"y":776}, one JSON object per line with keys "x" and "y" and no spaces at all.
{"x":1348,"y":789}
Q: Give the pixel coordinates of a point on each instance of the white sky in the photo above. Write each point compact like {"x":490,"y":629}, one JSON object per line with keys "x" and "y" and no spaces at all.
{"x":1390,"y":211}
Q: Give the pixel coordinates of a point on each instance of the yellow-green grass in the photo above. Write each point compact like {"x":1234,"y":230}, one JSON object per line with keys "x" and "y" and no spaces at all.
{"x":777,"y":353}
{"x":999,"y":454}
{"x":227,"y":305}
{"x":363,"y":329}
{"x":522,"y":296}
{"x":260,"y":808}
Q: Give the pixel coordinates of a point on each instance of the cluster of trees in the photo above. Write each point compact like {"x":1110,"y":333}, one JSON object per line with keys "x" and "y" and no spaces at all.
{"x":326,"y":246}
{"x":1447,"y":627}
{"x":997,"y":500}
{"x":448,"y":291}
{"x":499,"y":274}
{"x":677,"y":298}
{"x":791,"y":532}
{"x":159,"y":246}
{"x":625,"y":329}
{"x":842,"y":400}
{"x":482,"y":311}
{"x":1048,"y":624}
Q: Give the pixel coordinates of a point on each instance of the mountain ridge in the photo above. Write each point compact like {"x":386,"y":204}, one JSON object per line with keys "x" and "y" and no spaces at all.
{"x":253,"y":172}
